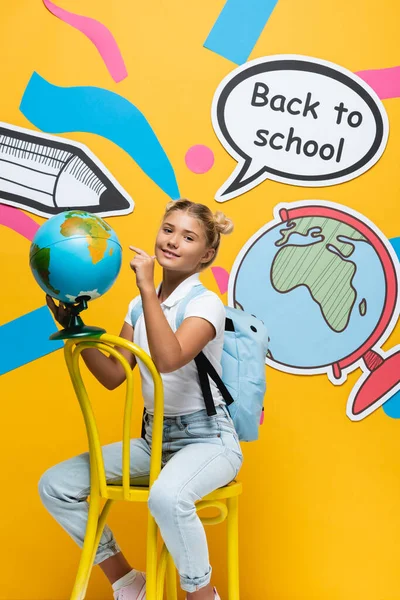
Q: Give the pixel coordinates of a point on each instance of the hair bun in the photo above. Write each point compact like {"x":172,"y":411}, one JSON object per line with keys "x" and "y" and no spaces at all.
{"x":170,"y":204}
{"x":223,"y":224}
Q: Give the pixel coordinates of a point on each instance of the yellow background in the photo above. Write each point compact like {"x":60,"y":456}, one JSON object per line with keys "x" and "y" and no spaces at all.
{"x":320,"y":514}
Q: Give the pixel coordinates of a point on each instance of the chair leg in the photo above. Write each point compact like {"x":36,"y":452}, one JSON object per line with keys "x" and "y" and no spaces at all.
{"x":166,"y":576}
{"x":88,"y":550}
{"x":100,"y":526}
{"x":161,"y":572}
{"x":171,"y":579}
{"x":151,"y":559}
{"x":233,"y":548}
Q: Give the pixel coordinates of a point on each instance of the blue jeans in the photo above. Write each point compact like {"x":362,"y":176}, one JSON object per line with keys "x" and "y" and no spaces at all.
{"x":199,"y":455}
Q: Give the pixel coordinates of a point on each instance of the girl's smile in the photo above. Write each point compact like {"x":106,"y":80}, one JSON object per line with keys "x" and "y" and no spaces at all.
{"x":169,"y":254}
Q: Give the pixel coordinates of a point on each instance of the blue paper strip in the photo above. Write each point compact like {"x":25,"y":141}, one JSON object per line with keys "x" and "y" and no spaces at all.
{"x":27,"y":338}
{"x":392,"y":406}
{"x":94,"y":110}
{"x":238,"y":28}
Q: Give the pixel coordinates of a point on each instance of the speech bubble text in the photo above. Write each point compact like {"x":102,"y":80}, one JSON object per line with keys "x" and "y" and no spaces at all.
{"x":297,"y":120}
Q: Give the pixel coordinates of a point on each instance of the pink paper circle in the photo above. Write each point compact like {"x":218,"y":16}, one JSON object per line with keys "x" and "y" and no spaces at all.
{"x":199,"y":159}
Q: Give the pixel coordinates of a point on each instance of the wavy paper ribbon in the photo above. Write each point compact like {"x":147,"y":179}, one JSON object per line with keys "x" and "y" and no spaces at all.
{"x":18,"y":221}
{"x":94,"y":110}
{"x":99,"y":35}
{"x":385,"y":82}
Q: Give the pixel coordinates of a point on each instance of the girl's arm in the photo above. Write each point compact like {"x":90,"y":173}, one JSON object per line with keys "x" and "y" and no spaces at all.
{"x":168,"y":350}
{"x":106,"y":369}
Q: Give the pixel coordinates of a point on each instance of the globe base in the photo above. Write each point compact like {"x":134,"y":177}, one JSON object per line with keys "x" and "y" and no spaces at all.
{"x":77,"y":332}
{"x":76,"y":328}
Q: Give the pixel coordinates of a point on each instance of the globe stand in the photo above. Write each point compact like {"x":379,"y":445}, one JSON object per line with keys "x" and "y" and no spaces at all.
{"x":384,"y":376}
{"x":76,"y":327}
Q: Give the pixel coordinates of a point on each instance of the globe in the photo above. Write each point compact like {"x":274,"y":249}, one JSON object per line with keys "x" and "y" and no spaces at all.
{"x":322,"y":281}
{"x":75,"y":254}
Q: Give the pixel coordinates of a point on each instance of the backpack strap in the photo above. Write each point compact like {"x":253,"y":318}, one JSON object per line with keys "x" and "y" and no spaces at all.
{"x":197,"y":290}
{"x":205,"y":369}
{"x":205,"y":384}
{"x":136,"y":312}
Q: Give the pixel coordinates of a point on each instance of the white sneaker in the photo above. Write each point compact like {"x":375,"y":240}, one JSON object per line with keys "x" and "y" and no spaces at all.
{"x":216,"y":595}
{"x":134,"y":591}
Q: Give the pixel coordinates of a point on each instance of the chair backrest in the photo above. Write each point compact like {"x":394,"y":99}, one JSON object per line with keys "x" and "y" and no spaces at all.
{"x":109,"y":344}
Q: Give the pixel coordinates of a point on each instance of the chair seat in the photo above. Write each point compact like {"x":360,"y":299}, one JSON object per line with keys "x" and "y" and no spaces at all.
{"x":141,"y":494}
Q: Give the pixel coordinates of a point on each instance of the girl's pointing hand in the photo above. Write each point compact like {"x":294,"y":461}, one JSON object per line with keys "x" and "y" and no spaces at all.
{"x":143,"y":266}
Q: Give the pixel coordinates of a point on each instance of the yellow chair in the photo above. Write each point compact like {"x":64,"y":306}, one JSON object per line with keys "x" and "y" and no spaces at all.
{"x":159,"y":569}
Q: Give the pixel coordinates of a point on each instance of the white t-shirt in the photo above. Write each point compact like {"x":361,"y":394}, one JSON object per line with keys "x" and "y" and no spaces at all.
{"x":182,"y":391}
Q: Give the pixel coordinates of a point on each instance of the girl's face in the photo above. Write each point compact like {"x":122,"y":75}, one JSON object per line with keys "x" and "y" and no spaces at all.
{"x":181,"y":243}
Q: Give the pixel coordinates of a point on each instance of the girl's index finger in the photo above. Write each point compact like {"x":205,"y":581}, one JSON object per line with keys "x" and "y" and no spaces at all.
{"x":138,"y":251}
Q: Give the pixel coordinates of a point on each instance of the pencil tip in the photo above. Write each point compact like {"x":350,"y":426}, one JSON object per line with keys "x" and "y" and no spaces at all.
{"x":111,"y":200}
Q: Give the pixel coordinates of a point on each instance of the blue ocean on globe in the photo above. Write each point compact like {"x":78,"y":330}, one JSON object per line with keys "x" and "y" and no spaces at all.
{"x":75,"y":253}
{"x":318,"y":285}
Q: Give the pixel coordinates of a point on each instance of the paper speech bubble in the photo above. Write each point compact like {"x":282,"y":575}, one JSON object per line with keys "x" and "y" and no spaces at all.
{"x":297,"y":120}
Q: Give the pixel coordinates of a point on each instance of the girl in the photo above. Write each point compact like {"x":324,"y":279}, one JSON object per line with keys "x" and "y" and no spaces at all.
{"x":200,"y":453}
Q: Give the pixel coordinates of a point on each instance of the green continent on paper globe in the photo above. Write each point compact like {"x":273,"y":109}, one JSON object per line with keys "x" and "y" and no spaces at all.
{"x":331,"y":287}
{"x":75,"y":254}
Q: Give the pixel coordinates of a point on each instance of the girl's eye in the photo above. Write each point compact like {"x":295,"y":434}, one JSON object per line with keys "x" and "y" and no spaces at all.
{"x":189,"y":238}
{"x":167,"y":230}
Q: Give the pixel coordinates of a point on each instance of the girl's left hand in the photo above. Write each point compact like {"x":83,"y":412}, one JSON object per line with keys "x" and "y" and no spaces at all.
{"x":143,"y":266}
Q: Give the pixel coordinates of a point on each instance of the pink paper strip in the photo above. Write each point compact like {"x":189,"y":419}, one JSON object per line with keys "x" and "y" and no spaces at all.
{"x":385,"y":82}
{"x":97,"y":33}
{"x":221,"y":277}
{"x":18,"y":221}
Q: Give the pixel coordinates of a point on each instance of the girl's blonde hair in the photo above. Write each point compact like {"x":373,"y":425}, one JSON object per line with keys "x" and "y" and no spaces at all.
{"x":213,"y":224}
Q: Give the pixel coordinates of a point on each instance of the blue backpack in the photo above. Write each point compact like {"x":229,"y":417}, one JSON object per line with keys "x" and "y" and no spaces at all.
{"x":243,"y":383}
